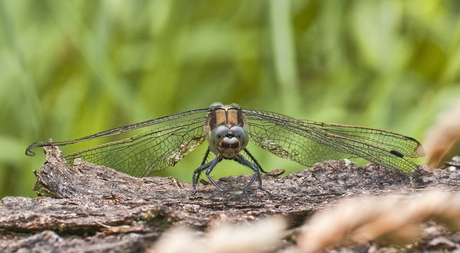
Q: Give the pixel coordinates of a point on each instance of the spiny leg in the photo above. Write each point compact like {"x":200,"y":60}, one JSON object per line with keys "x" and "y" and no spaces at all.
{"x":202,"y":163}
{"x":197,"y":172}
{"x":255,"y":161}
{"x":242,"y":160}
{"x":196,"y":175}
{"x":208,"y":171}
{"x":208,"y":167}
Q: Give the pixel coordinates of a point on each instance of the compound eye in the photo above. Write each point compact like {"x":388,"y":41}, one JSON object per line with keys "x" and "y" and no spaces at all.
{"x":216,"y":135}
{"x":220,"y":131}
{"x":241,"y":134}
{"x":237,"y":131}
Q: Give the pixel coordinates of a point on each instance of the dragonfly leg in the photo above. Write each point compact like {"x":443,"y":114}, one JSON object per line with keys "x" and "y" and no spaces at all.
{"x":205,"y":156}
{"x":202,"y":163}
{"x":242,"y":160}
{"x":208,"y":167}
{"x":255,"y":161}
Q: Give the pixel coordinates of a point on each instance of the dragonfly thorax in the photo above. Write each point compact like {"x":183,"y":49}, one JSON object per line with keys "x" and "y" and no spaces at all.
{"x":226,"y":130}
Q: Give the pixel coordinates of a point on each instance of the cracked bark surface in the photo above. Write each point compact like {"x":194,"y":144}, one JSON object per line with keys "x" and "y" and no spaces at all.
{"x":96,"y":208}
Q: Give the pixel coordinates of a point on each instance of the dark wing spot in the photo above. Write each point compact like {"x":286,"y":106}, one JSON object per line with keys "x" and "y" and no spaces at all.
{"x":396,"y":153}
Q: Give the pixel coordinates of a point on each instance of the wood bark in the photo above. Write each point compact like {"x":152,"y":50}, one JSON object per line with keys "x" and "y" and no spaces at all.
{"x":93,"y":208}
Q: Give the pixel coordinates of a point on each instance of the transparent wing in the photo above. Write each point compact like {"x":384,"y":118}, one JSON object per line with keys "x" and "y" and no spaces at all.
{"x":169,"y":139}
{"x":280,"y":135}
{"x":145,"y":153}
{"x":407,"y":146}
{"x":308,"y":142}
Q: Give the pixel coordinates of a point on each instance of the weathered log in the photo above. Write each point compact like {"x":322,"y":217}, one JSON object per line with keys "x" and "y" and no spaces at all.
{"x":101,"y":208}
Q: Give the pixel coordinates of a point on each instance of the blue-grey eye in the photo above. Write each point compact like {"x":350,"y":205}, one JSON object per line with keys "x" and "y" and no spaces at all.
{"x":239,"y":133}
{"x":220,"y":131}
{"x":216,"y":135}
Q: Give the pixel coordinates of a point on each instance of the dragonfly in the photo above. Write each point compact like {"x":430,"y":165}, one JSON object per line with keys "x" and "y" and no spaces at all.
{"x":228,"y":130}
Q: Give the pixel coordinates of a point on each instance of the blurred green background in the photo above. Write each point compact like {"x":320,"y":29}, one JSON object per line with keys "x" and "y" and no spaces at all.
{"x":74,"y":68}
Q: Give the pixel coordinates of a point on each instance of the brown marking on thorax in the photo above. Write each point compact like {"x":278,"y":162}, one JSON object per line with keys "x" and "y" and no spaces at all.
{"x":228,"y":145}
{"x":226,"y":115}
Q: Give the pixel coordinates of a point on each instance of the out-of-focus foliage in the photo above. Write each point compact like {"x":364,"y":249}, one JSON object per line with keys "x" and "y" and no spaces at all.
{"x":73,"y":68}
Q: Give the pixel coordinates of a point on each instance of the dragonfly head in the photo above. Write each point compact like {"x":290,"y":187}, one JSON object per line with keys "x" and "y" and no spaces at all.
{"x":228,"y":141}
